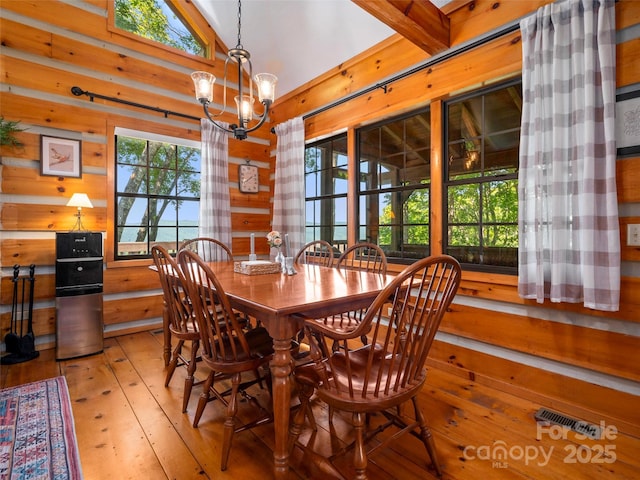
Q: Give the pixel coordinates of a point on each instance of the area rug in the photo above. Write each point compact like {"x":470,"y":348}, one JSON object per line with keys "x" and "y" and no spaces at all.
{"x":37,"y":435}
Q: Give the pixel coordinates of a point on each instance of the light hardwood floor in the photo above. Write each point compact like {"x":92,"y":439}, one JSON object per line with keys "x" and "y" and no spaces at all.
{"x":129,"y":426}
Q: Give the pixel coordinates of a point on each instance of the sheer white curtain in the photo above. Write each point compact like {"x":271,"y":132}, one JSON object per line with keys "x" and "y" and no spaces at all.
{"x":288,"y":196}
{"x":215,"y":204}
{"x":568,"y":210}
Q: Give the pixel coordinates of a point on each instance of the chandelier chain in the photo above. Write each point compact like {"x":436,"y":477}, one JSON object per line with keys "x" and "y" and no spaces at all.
{"x":239,"y":24}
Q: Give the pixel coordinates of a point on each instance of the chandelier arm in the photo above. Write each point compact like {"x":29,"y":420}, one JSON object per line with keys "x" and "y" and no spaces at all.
{"x":206,"y":112}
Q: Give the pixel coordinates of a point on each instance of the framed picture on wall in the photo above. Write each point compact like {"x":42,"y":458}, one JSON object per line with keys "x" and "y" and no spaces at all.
{"x":628,"y":123}
{"x":60,"y":157}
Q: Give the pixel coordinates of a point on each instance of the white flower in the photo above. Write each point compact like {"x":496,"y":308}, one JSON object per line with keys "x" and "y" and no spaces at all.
{"x":274,"y":239}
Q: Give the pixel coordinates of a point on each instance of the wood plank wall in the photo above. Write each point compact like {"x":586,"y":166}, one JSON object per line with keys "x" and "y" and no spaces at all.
{"x":49,"y":47}
{"x":564,"y":356}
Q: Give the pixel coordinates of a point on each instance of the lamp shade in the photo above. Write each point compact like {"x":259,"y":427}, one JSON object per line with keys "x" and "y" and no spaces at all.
{"x":266,"y":86}
{"x":203,"y":83}
{"x":80,"y":200}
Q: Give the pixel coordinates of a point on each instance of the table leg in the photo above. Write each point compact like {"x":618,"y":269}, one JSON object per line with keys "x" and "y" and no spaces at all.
{"x":280,"y":377}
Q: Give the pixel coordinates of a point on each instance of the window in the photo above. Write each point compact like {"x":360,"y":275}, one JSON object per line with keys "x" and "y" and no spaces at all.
{"x":158,"y":20}
{"x":157,"y":193}
{"x":482,"y":132}
{"x":393,"y":187}
{"x":326,"y":191}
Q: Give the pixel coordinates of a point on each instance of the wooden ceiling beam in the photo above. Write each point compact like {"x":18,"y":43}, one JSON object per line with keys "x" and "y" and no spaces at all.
{"x":419,"y":21}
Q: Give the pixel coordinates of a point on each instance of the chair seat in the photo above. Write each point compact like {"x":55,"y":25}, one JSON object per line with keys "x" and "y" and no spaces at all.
{"x":260,"y":347}
{"x":343,"y":323}
{"x":186,"y":330}
{"x":351,"y":375}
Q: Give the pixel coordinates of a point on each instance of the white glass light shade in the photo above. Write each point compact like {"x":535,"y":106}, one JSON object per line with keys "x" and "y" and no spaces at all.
{"x":203,"y":83}
{"x":80,"y":200}
{"x":266,"y":86}
{"x":247,"y":107}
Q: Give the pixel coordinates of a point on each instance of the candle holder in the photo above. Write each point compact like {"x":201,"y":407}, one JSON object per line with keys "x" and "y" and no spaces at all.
{"x":252,"y":256}
{"x":288,"y":264}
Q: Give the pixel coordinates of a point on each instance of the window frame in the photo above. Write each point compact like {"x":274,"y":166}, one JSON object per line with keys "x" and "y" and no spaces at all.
{"x":481,"y":180}
{"x":175,"y":142}
{"x":360,"y":194}
{"x":327,"y":231}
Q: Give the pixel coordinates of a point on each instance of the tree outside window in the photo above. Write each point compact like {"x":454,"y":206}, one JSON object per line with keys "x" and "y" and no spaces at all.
{"x":394,"y":186}
{"x":481,"y":196}
{"x":157,"y":195}
{"x":158,"y":20}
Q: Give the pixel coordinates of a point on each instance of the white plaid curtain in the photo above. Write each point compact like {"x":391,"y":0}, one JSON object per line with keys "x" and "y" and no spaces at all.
{"x":215,"y":203}
{"x":288,"y":196}
{"x":568,"y":210}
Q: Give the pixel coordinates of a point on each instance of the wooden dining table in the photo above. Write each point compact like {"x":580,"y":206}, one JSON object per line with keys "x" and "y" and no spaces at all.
{"x":277,"y":300}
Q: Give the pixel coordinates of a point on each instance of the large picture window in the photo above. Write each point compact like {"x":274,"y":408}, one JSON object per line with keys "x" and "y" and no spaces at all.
{"x":326,"y":191}
{"x":157,"y":193}
{"x":482,"y":133}
{"x":394,"y":161}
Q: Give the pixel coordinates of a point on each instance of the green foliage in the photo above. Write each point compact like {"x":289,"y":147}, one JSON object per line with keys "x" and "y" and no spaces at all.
{"x":7,"y":130}
{"x":415,"y":219}
{"x":148,"y":19}
{"x":494,"y":204}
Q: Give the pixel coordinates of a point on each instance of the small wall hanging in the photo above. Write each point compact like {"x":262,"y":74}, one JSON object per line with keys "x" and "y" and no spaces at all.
{"x":60,"y":157}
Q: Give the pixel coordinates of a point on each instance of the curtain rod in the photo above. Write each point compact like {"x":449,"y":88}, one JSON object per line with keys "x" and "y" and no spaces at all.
{"x":465,"y":47}
{"x":77,"y":91}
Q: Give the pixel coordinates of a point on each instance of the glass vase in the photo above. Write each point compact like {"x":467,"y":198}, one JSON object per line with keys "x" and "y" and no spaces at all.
{"x":280,"y":259}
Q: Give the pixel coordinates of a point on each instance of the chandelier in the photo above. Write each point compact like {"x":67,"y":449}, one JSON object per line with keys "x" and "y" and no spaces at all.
{"x":265,"y":83}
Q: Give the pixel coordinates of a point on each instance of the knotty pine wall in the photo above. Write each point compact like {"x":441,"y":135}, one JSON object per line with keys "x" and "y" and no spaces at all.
{"x":49,"y":47}
{"x":564,"y":356}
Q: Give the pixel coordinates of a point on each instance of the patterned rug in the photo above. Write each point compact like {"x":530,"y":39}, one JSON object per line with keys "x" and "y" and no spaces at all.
{"x":37,"y":436}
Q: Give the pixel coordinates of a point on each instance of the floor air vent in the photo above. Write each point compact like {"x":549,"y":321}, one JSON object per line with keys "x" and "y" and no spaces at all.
{"x":579,"y":426}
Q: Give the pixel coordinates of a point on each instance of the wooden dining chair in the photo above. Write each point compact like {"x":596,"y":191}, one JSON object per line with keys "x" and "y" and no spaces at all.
{"x":209,"y":249}
{"x":227,"y":349}
{"x":212,"y":250}
{"x":318,"y":252}
{"x":364,"y":256}
{"x":180,"y":319}
{"x":387,"y":372}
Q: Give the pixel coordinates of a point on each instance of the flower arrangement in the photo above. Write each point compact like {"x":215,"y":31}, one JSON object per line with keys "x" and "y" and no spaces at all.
{"x":274,"y":239}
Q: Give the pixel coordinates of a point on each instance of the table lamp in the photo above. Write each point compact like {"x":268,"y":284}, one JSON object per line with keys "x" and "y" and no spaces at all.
{"x":79,"y":200}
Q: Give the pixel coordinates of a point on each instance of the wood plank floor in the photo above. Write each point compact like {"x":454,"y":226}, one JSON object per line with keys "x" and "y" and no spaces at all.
{"x":129,"y":426}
